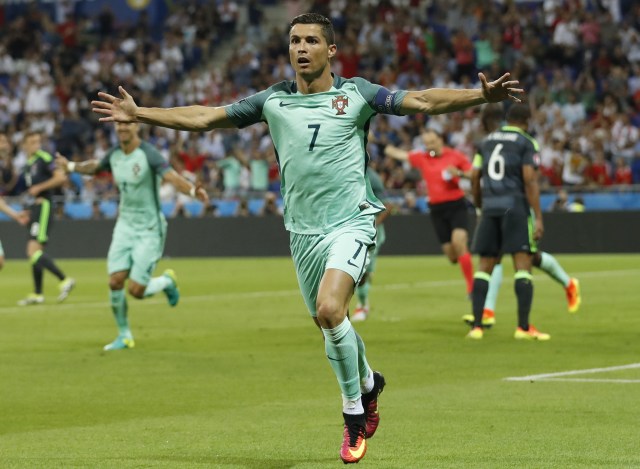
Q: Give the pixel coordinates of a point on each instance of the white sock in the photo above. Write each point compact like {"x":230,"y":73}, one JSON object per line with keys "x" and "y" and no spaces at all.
{"x":157,"y":284}
{"x":352,"y":406}
{"x":366,"y":384}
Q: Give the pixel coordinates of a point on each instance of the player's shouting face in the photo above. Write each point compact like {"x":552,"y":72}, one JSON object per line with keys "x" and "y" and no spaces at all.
{"x":127,"y":131}
{"x":309,"y":51}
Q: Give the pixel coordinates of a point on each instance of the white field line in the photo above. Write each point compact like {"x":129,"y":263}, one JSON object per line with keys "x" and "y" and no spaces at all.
{"x":287,"y":293}
{"x":557,"y":376}
{"x":587,"y":380}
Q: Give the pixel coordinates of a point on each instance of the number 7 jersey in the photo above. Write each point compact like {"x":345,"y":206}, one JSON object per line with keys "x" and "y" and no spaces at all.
{"x":501,"y":156}
{"x":320,"y":141}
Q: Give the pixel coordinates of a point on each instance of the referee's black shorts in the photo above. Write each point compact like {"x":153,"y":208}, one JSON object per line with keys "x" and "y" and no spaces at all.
{"x":40,"y":221}
{"x":448,"y":216}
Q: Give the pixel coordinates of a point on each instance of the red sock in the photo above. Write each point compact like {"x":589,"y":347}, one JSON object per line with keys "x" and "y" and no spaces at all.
{"x":467,"y":270}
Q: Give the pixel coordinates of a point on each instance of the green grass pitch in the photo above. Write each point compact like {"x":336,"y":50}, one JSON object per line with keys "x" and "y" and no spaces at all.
{"x":235,"y":376}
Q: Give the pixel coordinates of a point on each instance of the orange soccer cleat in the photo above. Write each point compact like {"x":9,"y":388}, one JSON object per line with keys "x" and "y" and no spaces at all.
{"x":354,"y":442}
{"x":573,"y":295}
{"x":531,"y":334}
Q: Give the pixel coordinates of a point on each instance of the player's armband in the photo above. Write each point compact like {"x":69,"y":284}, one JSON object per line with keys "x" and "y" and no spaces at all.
{"x":388,"y":102}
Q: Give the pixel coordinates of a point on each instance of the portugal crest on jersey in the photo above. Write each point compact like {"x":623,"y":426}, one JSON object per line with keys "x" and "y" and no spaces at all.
{"x":339,"y":104}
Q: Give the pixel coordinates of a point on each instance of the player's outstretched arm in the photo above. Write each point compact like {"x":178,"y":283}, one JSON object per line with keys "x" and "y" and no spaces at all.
{"x":83,"y":167}
{"x":20,"y":217}
{"x":125,"y":109}
{"x":443,"y":100}
{"x":58,"y":179}
{"x":185,"y":186}
{"x":396,"y":153}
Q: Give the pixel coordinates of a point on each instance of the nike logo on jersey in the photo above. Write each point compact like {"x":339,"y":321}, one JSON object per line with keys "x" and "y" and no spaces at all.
{"x":285,"y":104}
{"x":351,"y":263}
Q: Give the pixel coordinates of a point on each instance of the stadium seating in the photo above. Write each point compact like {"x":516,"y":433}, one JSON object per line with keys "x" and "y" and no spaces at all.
{"x":226,"y":208}
{"x":109,"y":208}
{"x":422,"y":205}
{"x":595,"y":201}
{"x":168,"y":208}
{"x":78,"y":210}
{"x":194,"y":208}
{"x":255,"y":206}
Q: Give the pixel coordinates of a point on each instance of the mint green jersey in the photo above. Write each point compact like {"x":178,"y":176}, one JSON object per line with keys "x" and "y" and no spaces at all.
{"x":138,"y":177}
{"x":231,"y":171}
{"x":259,"y":175}
{"x":377,"y":186}
{"x":320,"y":142}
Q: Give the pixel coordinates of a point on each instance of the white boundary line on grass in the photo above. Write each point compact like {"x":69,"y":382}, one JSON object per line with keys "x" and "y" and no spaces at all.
{"x":557,"y":376}
{"x":285,"y":293}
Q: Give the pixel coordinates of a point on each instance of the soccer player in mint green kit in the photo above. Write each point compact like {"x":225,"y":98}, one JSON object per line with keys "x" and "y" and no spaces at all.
{"x":140,"y":231}
{"x":319,"y":124}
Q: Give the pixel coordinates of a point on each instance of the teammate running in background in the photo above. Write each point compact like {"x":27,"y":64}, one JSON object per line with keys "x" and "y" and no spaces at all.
{"x":20,"y":217}
{"x":511,"y":220}
{"x":362,"y":290}
{"x":42,"y":177}
{"x":441,"y":168}
{"x":140,"y":231}
{"x":492,"y":117}
{"x":318,"y":124}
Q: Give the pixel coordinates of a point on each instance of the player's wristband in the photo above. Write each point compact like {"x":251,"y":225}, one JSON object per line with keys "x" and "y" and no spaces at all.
{"x":192,"y":192}
{"x":71,"y":166}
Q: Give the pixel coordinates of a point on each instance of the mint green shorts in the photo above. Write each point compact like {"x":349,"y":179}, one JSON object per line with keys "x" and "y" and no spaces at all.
{"x":136,"y":250}
{"x":346,"y":248}
{"x":1,"y":250}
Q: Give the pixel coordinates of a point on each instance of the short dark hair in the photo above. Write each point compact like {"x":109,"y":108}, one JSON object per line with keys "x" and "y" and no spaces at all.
{"x":31,"y":133}
{"x":519,"y":113}
{"x":491,"y":116}
{"x":431,"y":130}
{"x":317,"y":18}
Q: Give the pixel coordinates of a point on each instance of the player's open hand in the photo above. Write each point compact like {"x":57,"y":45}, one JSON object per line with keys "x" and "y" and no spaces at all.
{"x":201,"y":195}
{"x":22,"y":217}
{"x":62,"y":162}
{"x":500,"y":89}
{"x":116,"y":109}
{"x":538,"y":231}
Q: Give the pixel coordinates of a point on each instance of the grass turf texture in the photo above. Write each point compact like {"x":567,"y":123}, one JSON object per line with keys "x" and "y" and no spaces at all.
{"x":235,"y":376}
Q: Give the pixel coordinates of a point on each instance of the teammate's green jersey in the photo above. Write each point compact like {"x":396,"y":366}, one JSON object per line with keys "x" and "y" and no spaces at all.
{"x":320,"y":142}
{"x":501,"y":156}
{"x":377,"y":186}
{"x":137,"y":175}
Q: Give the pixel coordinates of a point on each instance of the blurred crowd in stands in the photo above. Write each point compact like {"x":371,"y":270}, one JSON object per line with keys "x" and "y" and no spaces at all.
{"x":579,"y":61}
